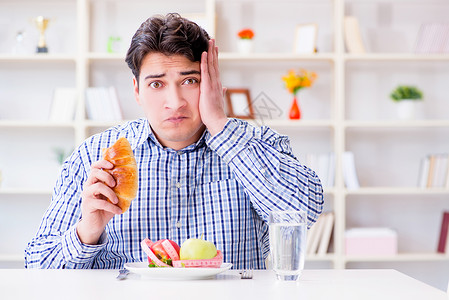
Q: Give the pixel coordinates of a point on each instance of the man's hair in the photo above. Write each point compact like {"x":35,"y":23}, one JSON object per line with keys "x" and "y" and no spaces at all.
{"x":169,"y":35}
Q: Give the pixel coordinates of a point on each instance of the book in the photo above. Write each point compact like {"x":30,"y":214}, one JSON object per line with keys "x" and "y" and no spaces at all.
{"x":353,"y":37}
{"x":115,"y":104}
{"x":311,"y":236}
{"x":433,"y":37}
{"x":63,"y":105}
{"x":424,"y":169}
{"x":432,"y":167}
{"x":440,"y":170}
{"x":93,"y":105}
{"x":327,"y":233}
{"x":423,"y":172}
{"x":323,"y":165}
{"x":434,"y":171}
{"x":442,"y":241}
{"x":349,"y":172}
{"x":102,"y":104}
{"x":312,"y":246}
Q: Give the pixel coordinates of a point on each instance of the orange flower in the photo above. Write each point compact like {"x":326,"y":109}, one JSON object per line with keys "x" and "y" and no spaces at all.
{"x":294,"y":82}
{"x":246,"y":34}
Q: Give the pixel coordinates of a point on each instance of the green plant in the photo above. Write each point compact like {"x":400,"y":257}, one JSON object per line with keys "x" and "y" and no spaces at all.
{"x":61,"y":154}
{"x":403,"y":92}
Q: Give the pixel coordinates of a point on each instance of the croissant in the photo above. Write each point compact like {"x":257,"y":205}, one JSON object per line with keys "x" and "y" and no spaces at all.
{"x":124,"y":171}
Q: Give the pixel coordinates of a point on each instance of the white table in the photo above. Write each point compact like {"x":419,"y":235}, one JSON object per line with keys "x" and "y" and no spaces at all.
{"x":314,"y":284}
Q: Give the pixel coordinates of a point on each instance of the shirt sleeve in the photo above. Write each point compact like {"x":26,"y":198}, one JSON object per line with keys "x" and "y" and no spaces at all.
{"x":56,"y":244}
{"x":265,"y":167}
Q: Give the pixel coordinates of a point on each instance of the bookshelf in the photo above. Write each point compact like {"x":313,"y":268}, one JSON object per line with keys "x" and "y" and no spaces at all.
{"x":347,"y":109}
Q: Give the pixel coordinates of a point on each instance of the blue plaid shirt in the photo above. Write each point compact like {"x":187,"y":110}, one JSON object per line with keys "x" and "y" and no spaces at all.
{"x":222,"y":187}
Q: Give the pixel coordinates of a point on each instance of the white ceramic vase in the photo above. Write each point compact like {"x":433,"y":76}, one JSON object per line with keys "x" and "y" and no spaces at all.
{"x":245,"y":46}
{"x":406,"y":109}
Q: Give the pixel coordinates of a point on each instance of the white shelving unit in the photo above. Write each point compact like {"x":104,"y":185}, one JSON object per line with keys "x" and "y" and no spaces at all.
{"x":346,"y":110}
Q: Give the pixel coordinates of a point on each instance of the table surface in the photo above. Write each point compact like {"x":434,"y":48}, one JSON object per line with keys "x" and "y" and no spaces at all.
{"x":313,"y":284}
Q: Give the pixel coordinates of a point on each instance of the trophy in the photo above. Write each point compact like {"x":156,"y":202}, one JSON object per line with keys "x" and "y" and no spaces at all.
{"x":41,"y":24}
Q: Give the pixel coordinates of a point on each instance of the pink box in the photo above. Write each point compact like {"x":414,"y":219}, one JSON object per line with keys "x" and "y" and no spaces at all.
{"x":371,"y":241}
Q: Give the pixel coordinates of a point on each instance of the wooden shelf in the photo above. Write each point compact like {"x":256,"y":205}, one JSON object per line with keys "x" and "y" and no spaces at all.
{"x":24,"y":191}
{"x":293,"y":123}
{"x":396,"y":57}
{"x":35,"y":124}
{"x":397,"y":191}
{"x":386,"y":124}
{"x":232,"y":56}
{"x":401,"y":257}
{"x":51,"y":58}
{"x":11,"y":257}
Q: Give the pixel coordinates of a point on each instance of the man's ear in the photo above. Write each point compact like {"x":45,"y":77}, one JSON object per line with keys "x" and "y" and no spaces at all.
{"x":136,"y":90}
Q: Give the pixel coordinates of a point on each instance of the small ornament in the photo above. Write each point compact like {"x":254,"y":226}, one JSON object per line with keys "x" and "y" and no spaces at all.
{"x":295,"y":112}
{"x":294,"y":82}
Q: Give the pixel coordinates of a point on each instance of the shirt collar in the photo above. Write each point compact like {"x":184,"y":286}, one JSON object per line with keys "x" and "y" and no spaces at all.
{"x":148,"y":134}
{"x":139,"y":133}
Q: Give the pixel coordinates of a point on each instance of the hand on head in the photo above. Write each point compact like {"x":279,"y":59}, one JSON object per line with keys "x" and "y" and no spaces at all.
{"x":211,"y":103}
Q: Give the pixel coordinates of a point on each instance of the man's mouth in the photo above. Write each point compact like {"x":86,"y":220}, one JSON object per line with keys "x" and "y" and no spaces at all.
{"x":176,"y":119}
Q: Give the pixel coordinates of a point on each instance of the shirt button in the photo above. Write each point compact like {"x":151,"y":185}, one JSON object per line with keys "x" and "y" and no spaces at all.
{"x":180,"y":153}
{"x":178,"y":224}
{"x":178,"y":185}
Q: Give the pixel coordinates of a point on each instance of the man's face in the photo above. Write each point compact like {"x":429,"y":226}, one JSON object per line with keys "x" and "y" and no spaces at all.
{"x":169,"y":91}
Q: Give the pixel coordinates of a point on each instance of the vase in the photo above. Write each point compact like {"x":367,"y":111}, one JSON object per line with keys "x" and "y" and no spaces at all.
{"x":406,"y":109}
{"x":295,"y":112}
{"x":245,"y":46}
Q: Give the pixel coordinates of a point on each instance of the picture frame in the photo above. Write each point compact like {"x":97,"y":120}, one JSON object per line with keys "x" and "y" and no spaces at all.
{"x":305,"y":38}
{"x":238,"y":104}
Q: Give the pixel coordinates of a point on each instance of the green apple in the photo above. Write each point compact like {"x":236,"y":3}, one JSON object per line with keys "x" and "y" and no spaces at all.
{"x":197,"y":249}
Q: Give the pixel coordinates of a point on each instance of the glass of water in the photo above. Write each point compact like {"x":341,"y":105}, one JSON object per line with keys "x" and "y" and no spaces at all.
{"x":288,"y":243}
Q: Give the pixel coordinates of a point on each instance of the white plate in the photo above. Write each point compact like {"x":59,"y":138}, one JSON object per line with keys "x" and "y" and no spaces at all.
{"x":143,"y":270}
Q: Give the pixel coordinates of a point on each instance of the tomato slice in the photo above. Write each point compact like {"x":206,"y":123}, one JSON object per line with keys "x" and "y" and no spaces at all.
{"x":161,"y":253}
{"x":151,"y":255}
{"x":168,"y":253}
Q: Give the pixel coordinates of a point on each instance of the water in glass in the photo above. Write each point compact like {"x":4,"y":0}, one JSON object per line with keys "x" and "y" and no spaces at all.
{"x":288,"y":247}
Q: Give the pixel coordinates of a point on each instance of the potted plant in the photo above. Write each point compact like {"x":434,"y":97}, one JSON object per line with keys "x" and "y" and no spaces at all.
{"x":245,"y":44}
{"x":406,"y":97}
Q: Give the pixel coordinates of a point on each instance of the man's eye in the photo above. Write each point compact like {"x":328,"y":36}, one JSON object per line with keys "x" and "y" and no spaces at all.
{"x":191,"y":81}
{"x":155,"y":84}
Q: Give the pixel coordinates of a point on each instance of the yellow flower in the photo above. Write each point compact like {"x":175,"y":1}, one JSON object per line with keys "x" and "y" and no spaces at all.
{"x":294,"y":82}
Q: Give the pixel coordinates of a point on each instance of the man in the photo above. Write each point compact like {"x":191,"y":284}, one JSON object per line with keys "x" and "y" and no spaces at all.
{"x":200,"y":173}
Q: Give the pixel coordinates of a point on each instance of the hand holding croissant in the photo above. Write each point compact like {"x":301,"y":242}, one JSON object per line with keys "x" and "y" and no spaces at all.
{"x":108,"y":191}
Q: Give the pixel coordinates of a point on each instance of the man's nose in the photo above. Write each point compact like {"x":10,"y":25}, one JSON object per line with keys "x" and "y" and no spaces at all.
{"x":174,"y":98}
